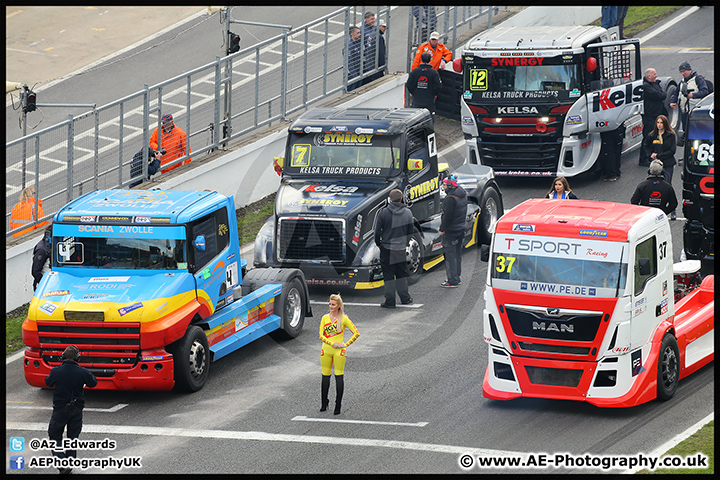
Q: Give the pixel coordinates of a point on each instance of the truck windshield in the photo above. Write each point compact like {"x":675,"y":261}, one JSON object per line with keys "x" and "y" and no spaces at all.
{"x":559,"y":267}
{"x":504,"y":79}
{"x":701,"y":153}
{"x":120,"y":246}
{"x":342,"y":153}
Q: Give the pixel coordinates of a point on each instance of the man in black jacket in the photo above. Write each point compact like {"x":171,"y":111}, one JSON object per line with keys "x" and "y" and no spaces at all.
{"x":452,"y":227}
{"x":655,"y":191}
{"x":424,"y":84}
{"x":42,"y":256}
{"x":393,"y":229}
{"x":654,"y":105}
{"x":69,"y":379}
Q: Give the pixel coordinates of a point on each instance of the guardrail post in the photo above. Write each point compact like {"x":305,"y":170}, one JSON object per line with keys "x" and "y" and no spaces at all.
{"x":490,"y":15}
{"x":70,"y":147}
{"x":146,"y":128}
{"x":325,"y":56}
{"x":218,"y":133}
{"x":120,"y":144}
{"x":346,"y":50}
{"x":283,"y":76}
{"x":305,"y":68}
{"x":410,"y":41}
{"x":97,"y":146}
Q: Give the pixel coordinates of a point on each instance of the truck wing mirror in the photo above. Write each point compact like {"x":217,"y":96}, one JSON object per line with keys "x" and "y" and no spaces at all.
{"x":199,"y":243}
{"x":443,"y":166}
{"x":278,"y":164}
{"x":644,"y":266}
{"x":484,"y":253}
{"x":415,"y":164}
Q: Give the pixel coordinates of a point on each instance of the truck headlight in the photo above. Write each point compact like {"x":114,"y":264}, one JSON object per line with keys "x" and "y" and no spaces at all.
{"x":368,"y":254}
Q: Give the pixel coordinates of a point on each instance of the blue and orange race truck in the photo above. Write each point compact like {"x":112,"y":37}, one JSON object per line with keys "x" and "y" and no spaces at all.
{"x":150,"y":286}
{"x":579,"y":305}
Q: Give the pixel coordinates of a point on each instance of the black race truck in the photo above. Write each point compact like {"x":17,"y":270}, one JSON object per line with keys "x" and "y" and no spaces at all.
{"x":340,"y":164}
{"x":698,"y":176}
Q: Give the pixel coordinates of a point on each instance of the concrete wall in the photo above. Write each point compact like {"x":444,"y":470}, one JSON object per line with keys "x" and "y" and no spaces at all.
{"x":247,"y":173}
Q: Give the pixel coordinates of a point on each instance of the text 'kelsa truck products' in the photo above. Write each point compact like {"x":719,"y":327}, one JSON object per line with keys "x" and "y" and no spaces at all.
{"x":579,"y":305}
{"x":698,"y":178}
{"x":339,"y":167}
{"x":150,"y":286}
{"x":535,"y":100}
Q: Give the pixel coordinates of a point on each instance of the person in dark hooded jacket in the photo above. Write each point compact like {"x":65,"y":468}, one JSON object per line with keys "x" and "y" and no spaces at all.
{"x":42,"y":256}
{"x":452,"y":227}
{"x":655,"y":191}
{"x":393,"y":229}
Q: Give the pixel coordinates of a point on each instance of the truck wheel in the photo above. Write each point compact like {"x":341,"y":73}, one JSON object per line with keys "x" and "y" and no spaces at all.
{"x":490,"y":212}
{"x":192,"y":360}
{"x":673,"y":113}
{"x":292,"y":302}
{"x":668,"y":368}
{"x":413,"y":254}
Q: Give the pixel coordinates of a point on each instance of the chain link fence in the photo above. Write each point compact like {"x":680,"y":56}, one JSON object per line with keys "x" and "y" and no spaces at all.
{"x":214,"y":105}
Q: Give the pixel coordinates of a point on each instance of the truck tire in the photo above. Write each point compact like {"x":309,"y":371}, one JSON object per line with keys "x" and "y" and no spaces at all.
{"x":490,"y":212}
{"x":292,"y":304}
{"x":673,"y":114}
{"x":668,"y":373}
{"x":191,"y":356}
{"x":414,"y":256}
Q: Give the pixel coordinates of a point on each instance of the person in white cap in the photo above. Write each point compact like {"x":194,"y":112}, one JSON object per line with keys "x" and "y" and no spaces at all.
{"x":440,"y":54}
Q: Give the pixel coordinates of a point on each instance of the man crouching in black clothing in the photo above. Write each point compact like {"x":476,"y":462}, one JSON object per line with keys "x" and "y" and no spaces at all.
{"x":69,"y":379}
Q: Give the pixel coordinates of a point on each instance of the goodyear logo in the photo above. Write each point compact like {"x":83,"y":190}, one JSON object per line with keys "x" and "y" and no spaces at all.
{"x":593,"y":233}
{"x":423,"y":190}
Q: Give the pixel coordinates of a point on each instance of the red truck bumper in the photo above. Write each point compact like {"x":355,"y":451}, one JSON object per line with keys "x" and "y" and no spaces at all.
{"x":568,"y":380}
{"x":154,"y":372}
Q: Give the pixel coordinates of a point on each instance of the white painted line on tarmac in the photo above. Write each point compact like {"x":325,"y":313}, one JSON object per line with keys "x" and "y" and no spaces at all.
{"x":359,"y":304}
{"x":114,"y":409}
{"x":271,"y":437}
{"x":365,"y":422}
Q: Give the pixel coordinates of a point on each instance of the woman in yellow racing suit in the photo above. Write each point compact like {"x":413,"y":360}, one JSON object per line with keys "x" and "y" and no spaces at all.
{"x":332,"y":328}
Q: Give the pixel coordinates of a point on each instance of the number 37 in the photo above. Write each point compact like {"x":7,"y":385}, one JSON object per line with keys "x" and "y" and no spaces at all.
{"x":504,"y":264}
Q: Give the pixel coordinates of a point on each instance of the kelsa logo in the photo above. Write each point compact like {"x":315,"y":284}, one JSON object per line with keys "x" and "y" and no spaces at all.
{"x":506,"y":110}
{"x":620,"y":95}
{"x":329,"y":189}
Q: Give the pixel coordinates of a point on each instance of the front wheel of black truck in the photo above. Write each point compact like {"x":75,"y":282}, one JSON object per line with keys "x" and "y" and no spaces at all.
{"x":413,"y":254}
{"x":191,"y":356}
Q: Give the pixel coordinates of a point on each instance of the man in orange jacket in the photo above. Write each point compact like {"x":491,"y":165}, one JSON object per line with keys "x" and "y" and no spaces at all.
{"x":174,"y":141}
{"x":440,"y":54}
{"x":24,"y":212}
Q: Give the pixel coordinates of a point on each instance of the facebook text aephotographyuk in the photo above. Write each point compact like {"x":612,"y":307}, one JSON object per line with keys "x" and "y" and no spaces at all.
{"x":85,"y":463}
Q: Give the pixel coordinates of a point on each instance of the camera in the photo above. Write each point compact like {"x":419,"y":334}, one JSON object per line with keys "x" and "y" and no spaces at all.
{"x":162,"y":151}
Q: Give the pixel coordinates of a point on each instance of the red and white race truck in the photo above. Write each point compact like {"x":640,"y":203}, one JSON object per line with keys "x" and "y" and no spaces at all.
{"x":580,"y":305}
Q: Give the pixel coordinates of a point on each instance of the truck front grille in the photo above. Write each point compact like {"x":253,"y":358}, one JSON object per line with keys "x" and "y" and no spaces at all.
{"x":519,"y":153}
{"x":102,"y":345}
{"x":541,"y":347}
{"x":533,"y":324}
{"x":320,"y":240}
{"x":560,"y":377}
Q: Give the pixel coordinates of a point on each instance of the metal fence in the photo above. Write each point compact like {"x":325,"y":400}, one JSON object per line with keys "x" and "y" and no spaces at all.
{"x":214,"y":104}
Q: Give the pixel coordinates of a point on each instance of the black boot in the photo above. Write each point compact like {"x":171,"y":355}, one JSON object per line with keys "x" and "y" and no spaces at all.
{"x":324,"y":389}
{"x":340,"y":388}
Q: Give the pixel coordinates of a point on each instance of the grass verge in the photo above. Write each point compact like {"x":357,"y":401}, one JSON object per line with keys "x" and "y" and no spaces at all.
{"x":639,"y":19}
{"x":702,"y":441}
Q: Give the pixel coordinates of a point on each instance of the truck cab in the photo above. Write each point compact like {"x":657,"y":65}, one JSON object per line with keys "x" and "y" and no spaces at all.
{"x":698,"y":176}
{"x":149,"y":286}
{"x":339,"y":166}
{"x":580,"y":306}
{"x":536,"y":99}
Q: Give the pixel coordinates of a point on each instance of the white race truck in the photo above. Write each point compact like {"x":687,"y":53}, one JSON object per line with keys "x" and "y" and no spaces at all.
{"x":535,"y":100}
{"x":580,"y":305}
